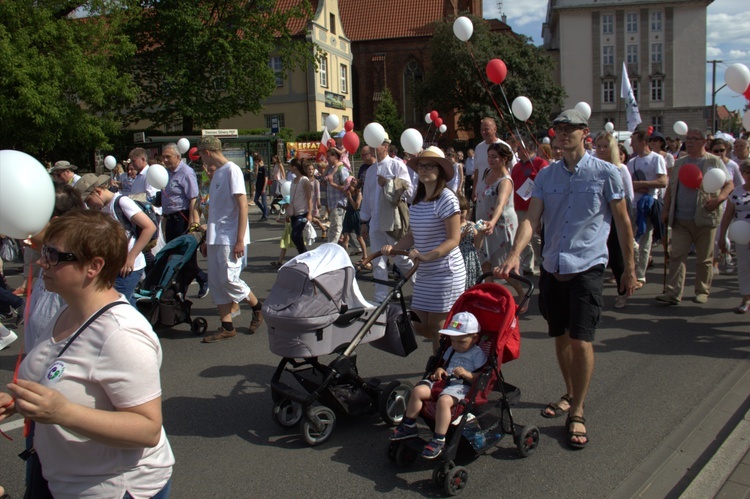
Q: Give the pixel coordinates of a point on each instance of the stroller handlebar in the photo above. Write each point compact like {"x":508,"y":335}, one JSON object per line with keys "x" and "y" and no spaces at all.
{"x":518,"y":278}
{"x":378,"y":254}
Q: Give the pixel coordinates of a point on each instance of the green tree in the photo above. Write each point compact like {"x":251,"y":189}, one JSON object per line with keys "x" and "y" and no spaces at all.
{"x":387,"y":115}
{"x":60,"y":82}
{"x":453,"y":82}
{"x":200,"y":61}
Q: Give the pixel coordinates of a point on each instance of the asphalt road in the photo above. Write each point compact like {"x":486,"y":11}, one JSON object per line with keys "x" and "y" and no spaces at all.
{"x":654,"y":365}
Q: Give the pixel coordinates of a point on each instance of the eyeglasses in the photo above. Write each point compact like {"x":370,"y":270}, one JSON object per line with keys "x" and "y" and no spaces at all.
{"x":566,"y":129}
{"x":719,"y":151}
{"x":53,"y":257}
{"x":427,"y":166}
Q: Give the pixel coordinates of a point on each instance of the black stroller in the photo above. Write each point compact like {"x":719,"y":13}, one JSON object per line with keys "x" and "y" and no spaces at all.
{"x":315,"y":308}
{"x":161,"y":295}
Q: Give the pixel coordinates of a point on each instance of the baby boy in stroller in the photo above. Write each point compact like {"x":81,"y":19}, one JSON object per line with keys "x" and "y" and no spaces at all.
{"x":454,"y":381}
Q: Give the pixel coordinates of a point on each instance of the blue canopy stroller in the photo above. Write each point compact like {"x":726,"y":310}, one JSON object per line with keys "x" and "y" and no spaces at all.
{"x":161,"y":295}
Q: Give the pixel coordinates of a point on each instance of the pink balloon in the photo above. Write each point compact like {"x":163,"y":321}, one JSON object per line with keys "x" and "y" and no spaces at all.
{"x":691,"y":176}
{"x":349,"y":126}
{"x":496,"y":71}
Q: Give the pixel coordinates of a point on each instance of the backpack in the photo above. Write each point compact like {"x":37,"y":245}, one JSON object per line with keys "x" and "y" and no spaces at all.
{"x":132,"y":228}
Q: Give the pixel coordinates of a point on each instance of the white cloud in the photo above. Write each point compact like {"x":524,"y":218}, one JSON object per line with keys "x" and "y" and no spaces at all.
{"x":739,"y":54}
{"x":713,"y":52}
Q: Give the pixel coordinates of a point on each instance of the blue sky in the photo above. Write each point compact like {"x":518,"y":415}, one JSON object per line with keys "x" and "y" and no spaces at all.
{"x":727,"y":40}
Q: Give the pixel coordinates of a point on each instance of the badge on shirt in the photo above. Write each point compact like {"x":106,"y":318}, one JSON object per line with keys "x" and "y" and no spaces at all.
{"x":55,"y":371}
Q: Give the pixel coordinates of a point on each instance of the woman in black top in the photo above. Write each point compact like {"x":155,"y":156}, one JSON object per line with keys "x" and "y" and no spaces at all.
{"x":260,"y":186}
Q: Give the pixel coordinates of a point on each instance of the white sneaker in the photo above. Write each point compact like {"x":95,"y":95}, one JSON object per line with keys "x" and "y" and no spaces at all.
{"x":6,"y":337}
{"x":621,"y":301}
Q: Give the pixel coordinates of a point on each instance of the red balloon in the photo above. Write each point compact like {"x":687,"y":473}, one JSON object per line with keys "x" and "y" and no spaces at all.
{"x":349,"y":126}
{"x":747,"y":93}
{"x":351,"y":142}
{"x":691,"y":176}
{"x":551,"y":132}
{"x":650,"y":130}
{"x":434,"y":115}
{"x":437,"y":122}
{"x":496,"y":71}
{"x":193,"y":154}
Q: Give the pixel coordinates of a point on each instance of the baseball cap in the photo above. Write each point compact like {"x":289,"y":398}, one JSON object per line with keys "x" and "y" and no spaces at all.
{"x":209,"y":144}
{"x":461,"y":324}
{"x":86,"y":184}
{"x":571,"y":117}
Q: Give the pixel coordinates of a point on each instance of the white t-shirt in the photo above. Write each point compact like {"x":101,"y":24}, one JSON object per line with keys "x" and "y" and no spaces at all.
{"x":224,"y":213}
{"x":652,"y":165}
{"x":114,"y":363}
{"x":129,"y":209}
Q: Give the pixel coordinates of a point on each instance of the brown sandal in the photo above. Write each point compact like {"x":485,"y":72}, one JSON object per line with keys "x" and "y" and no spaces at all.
{"x":571,"y":434}
{"x":556,"y":409}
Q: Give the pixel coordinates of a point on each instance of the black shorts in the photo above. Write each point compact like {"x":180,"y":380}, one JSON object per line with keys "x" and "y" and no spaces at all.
{"x":575,"y":305}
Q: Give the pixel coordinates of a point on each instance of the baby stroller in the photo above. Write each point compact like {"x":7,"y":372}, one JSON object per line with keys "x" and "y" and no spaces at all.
{"x":315,"y":308}
{"x":160,"y":297}
{"x":278,"y":205}
{"x":478,"y":424}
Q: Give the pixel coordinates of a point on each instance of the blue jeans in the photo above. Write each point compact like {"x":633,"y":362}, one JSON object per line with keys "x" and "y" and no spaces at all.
{"x":162,"y":494}
{"x":126,"y":285}
{"x":260,"y":200}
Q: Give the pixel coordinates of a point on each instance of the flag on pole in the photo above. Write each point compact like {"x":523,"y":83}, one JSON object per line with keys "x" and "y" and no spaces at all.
{"x":323,"y":147}
{"x":631,"y":106}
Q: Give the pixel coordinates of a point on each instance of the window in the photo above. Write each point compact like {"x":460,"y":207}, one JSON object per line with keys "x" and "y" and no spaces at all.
{"x":632,"y":54}
{"x":656,"y":20}
{"x":656,"y":52}
{"x":656,"y":90}
{"x":631,"y":22}
{"x":344,"y":119}
{"x":275,"y":64}
{"x":608,"y":54}
{"x":656,"y":122}
{"x":607,"y":24}
{"x":279,"y":118}
{"x":323,"y":117}
{"x":608,"y":92}
{"x":344,"y":79}
{"x":332,"y":24}
{"x":413,"y":76}
{"x":323,"y":71}
{"x":635,"y":85}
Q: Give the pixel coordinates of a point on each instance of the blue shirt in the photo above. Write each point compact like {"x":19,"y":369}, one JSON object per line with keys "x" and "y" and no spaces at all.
{"x":576,"y":214}
{"x":181,"y":188}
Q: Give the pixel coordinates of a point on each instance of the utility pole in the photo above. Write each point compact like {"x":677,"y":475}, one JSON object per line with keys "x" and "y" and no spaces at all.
{"x":713,"y":95}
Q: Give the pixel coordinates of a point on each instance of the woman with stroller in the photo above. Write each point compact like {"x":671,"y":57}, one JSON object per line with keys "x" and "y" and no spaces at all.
{"x":300,"y":203}
{"x":92,"y":384}
{"x":434,"y":234}
{"x":461,"y":360}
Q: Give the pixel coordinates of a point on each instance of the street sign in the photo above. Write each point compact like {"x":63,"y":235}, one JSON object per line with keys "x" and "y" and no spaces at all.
{"x":222,"y":132}
{"x":274,"y":124}
{"x":139,"y":137}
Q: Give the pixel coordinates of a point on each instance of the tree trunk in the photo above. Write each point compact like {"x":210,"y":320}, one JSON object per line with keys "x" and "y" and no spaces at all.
{"x":187,"y":124}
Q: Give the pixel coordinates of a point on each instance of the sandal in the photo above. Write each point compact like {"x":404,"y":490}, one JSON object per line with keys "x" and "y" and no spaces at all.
{"x":276,"y":264}
{"x":580,"y":420}
{"x":364,"y":267}
{"x":742,"y":309}
{"x":555,"y":408}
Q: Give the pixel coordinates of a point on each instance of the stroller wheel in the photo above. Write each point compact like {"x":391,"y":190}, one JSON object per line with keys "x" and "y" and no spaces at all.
{"x":199,"y":326}
{"x":287,"y":413}
{"x":440,"y":472}
{"x":392,"y":450}
{"x":455,"y":481}
{"x":317,"y":430}
{"x":392,"y":402}
{"x":405,"y":455}
{"x":527,"y":440}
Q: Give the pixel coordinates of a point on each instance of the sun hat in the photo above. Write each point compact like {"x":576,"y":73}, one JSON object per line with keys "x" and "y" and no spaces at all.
{"x":433,"y":155}
{"x":461,"y":324}
{"x":571,"y":117}
{"x":86,"y":184}
{"x":62,"y":165}
{"x":387,"y":139}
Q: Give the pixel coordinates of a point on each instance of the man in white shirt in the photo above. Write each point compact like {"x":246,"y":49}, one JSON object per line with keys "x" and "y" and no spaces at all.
{"x":227,"y":235}
{"x":489,"y":134}
{"x":62,"y":172}
{"x":649,"y":173}
{"x":387,"y":173}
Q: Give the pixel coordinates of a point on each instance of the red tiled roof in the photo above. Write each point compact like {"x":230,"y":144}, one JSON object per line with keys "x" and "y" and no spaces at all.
{"x":385,"y":19}
{"x":722,"y":113}
{"x":296,"y":26}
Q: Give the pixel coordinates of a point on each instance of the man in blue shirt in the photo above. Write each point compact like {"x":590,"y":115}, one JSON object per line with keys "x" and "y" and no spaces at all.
{"x":575,"y":199}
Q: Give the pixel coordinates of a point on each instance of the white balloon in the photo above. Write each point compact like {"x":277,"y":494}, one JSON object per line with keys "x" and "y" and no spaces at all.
{"x":443,"y":128}
{"x":584,"y":109}
{"x":286,"y":188}
{"x":183,"y":145}
{"x":522,"y":108}
{"x":739,"y":232}
{"x":427,"y":118}
{"x":374,"y":134}
{"x":746,"y":120}
{"x":609,"y":126}
{"x":332,"y":122}
{"x":110,"y":162}
{"x":680,"y":128}
{"x":737,"y":77}
{"x":27,"y":195}
{"x":463,"y":28}
{"x":157,"y":176}
{"x":545,"y":140}
{"x":713,"y":180}
{"x":411,"y":141}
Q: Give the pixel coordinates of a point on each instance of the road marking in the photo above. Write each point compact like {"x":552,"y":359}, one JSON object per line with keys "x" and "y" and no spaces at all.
{"x":13,"y":425}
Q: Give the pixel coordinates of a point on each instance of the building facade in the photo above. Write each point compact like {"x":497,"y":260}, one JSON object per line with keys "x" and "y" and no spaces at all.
{"x":663,"y":45}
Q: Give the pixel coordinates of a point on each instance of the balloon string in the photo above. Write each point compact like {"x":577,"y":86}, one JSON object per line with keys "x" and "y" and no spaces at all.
{"x":427,"y":133}
{"x":523,"y":145}
{"x":484,"y":83}
{"x":533,"y":137}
